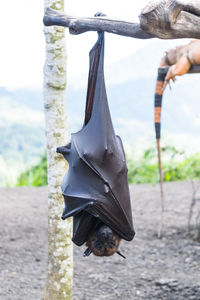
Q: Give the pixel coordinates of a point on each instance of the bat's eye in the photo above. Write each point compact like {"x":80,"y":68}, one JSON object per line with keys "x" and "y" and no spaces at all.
{"x":111,"y":244}
{"x":110,"y":234}
{"x":98,"y":245}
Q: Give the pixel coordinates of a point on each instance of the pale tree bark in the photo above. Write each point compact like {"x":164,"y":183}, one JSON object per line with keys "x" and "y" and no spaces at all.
{"x":165,"y":19}
{"x":60,"y":252}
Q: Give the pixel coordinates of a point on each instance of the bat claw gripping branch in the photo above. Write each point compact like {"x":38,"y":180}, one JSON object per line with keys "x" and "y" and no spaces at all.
{"x":99,"y":14}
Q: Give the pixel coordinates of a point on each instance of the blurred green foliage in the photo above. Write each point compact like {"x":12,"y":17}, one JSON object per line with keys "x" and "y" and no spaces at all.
{"x":36,"y":175}
{"x":176,"y":166}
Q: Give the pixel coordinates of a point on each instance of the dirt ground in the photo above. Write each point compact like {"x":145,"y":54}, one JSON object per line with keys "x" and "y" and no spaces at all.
{"x":166,"y":268}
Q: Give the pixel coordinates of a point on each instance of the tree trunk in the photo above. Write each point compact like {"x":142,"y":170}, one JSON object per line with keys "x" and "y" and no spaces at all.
{"x":60,"y":252}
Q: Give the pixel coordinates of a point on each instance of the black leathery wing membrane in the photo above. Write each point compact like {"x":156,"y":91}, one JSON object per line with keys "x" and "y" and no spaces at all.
{"x":95,"y":188}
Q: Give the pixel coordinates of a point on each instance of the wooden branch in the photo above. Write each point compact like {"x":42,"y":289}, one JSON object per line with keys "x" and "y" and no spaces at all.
{"x":166,"y":19}
{"x":79,"y":25}
{"x":171,"y":19}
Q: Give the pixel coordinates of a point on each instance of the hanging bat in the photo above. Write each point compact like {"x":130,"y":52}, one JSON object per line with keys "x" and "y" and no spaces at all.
{"x":95,"y":188}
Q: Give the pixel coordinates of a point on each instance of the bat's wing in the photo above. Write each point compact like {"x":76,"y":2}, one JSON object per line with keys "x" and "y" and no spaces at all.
{"x":96,"y":183}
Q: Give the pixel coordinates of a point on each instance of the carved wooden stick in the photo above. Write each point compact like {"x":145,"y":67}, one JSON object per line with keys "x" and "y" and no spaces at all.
{"x":166,"y":19}
{"x":79,"y":25}
{"x":171,"y":19}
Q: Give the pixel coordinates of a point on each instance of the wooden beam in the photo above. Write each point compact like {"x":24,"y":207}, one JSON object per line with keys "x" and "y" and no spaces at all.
{"x":166,"y":19}
{"x":171,"y":19}
{"x":79,"y":25}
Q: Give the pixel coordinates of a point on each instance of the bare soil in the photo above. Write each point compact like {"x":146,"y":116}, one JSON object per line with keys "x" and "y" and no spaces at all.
{"x":166,"y":268}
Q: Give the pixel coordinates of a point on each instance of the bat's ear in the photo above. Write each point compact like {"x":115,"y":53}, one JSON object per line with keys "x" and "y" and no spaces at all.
{"x":87,"y":252}
{"x":119,"y":253}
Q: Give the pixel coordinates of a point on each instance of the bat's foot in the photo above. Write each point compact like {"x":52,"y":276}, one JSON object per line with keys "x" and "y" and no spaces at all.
{"x":87,"y":252}
{"x":99,"y":14}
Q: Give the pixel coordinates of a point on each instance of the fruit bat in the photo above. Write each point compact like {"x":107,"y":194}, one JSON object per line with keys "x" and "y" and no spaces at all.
{"x":95,"y":188}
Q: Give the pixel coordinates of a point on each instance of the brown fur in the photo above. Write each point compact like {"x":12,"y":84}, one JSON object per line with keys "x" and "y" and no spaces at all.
{"x":103,"y":242}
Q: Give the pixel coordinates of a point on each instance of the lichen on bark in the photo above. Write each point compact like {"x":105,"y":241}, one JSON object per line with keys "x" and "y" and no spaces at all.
{"x":60,"y":253}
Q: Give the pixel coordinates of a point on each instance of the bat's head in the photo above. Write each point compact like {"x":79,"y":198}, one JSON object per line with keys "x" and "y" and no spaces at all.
{"x":103,"y":242}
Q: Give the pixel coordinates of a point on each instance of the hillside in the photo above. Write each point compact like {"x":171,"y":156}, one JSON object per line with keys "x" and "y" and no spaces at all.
{"x":130,"y":89}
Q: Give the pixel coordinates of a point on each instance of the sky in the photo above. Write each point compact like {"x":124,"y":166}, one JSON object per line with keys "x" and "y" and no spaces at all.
{"x":22,"y":51}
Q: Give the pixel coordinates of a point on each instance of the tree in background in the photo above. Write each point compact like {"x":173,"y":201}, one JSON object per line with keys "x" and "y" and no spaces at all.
{"x":60,"y":255}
